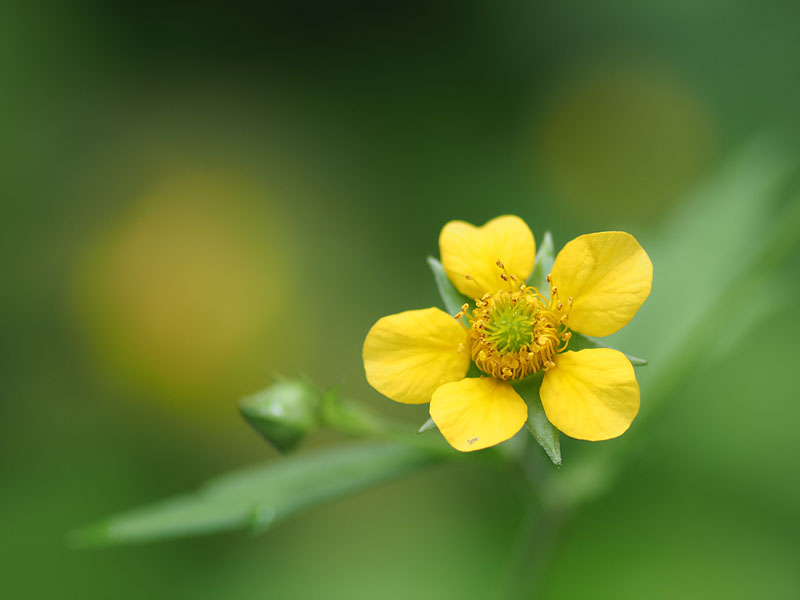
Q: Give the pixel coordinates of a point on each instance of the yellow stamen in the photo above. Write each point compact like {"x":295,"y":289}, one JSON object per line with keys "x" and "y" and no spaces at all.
{"x":518,"y":332}
{"x":462,"y":312}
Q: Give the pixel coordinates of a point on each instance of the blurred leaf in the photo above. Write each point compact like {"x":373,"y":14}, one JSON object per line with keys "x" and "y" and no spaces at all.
{"x":772,"y":296}
{"x":260,"y":496}
{"x":543,"y":265}
{"x":283,"y":413}
{"x":724,"y":238}
{"x":707,"y":261}
{"x":723,"y":231}
{"x":452,"y":298}
{"x":578,"y":341}
{"x":542,"y":430}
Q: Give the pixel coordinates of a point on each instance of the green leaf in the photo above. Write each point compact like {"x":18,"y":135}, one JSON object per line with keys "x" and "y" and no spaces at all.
{"x":542,"y":430}
{"x":452,"y":298}
{"x":260,"y":496}
{"x":578,"y":341}
{"x":543,"y":265}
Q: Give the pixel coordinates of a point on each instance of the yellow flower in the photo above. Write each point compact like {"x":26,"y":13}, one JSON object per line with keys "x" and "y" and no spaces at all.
{"x":597,"y":283}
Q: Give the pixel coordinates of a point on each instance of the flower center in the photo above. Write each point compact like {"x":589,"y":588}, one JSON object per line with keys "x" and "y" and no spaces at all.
{"x":510,"y":323}
{"x":517,"y":332}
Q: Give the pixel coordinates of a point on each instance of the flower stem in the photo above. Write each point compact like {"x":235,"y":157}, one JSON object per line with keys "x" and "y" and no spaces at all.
{"x":538,"y":531}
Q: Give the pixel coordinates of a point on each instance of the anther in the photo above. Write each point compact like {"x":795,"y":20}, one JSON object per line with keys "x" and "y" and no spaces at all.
{"x":560,"y":305}
{"x":462,"y":312}
{"x":500,"y":264}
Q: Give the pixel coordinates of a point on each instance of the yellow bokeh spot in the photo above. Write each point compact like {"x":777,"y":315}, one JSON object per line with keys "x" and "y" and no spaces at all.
{"x":180,"y":294}
{"x":622,"y":141}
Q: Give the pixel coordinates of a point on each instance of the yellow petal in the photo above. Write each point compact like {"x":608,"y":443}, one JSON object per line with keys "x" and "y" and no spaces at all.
{"x":608,"y":275}
{"x":474,"y":251}
{"x":591,"y":394}
{"x":476,"y":413}
{"x":410,"y":354}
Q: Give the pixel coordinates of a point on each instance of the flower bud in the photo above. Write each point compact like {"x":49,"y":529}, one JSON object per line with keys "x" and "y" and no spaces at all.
{"x":283,"y":413}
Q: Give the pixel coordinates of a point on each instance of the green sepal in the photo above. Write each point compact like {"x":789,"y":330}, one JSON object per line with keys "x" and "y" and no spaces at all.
{"x":453,"y":299}
{"x":427,"y":426}
{"x":578,"y":341}
{"x":545,"y":434}
{"x":348,"y":417}
{"x":283,"y":413}
{"x":543,"y":265}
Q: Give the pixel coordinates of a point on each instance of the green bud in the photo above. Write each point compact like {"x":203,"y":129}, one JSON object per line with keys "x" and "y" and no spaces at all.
{"x":283,"y":413}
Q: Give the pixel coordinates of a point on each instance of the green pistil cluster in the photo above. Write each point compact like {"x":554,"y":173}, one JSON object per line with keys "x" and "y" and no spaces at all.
{"x":510,"y":325}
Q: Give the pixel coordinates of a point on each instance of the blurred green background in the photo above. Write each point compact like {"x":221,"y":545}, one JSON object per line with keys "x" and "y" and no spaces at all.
{"x":198,"y":196}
